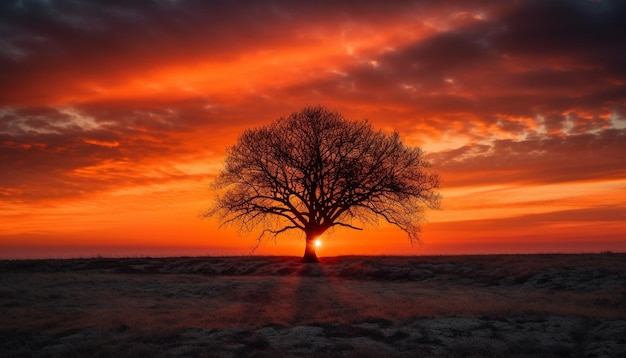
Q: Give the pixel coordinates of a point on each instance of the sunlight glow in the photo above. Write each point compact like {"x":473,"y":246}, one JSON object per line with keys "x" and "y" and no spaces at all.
{"x":117,"y":154}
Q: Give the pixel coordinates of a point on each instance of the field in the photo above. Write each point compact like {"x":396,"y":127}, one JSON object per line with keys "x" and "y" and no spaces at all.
{"x":444,"y":306}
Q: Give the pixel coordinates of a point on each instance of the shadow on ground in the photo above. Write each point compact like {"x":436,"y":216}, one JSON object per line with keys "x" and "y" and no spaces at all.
{"x":465,"y":306}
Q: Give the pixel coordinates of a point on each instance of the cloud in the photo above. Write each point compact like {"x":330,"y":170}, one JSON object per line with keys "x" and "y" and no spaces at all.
{"x":55,"y":153}
{"x":89,"y":45}
{"x":591,"y":229}
{"x":579,"y":157}
{"x":514,"y":110}
{"x":585,"y":29}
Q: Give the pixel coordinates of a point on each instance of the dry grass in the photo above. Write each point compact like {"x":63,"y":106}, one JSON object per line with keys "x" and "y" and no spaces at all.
{"x":139,"y":307}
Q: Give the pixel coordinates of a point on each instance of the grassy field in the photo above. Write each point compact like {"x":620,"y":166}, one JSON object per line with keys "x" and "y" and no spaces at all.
{"x":445,"y":306}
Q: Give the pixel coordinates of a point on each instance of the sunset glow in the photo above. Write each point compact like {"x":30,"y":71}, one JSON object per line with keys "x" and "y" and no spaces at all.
{"x":115,"y":117}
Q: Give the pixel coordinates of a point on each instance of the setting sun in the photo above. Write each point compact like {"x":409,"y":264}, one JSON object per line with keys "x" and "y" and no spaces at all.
{"x":318,"y":243}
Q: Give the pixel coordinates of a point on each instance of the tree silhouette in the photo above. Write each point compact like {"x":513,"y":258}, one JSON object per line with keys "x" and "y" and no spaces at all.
{"x":316,"y":170}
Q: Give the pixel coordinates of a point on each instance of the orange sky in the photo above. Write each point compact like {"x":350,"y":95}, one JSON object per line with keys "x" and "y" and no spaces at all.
{"x":114,"y":117}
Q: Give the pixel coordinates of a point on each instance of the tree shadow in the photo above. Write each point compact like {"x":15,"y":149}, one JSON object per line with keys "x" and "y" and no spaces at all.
{"x":319,"y":297}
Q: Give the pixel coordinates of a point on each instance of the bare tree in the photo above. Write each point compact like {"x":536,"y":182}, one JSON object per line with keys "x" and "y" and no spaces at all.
{"x":316,"y":170}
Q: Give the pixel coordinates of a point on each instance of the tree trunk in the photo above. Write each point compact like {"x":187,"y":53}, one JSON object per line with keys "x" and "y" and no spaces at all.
{"x":309,"y":250}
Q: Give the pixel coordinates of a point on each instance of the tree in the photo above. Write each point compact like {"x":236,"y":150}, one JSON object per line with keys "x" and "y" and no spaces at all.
{"x":316,"y":170}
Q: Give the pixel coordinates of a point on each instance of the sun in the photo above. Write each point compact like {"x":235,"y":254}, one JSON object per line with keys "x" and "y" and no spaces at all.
{"x":318,"y":243}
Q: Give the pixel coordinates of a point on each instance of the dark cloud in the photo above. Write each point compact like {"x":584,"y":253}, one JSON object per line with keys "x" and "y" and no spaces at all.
{"x":591,"y":30}
{"x":52,"y":153}
{"x":556,"y":63}
{"x":444,"y":55}
{"x":62,"y":43}
{"x":580,"y":157}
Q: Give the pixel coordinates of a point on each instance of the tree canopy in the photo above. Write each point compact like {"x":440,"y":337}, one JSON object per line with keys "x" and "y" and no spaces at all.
{"x":315,"y":170}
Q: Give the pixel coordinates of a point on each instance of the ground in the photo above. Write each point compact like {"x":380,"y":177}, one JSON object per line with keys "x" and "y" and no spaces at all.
{"x":445,"y":306}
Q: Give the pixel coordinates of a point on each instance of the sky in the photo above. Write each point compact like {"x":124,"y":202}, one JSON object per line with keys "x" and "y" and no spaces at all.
{"x":115,"y":116}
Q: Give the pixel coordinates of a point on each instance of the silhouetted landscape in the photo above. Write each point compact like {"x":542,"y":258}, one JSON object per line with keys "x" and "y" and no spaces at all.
{"x":548,"y":305}
{"x":133,"y":133}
